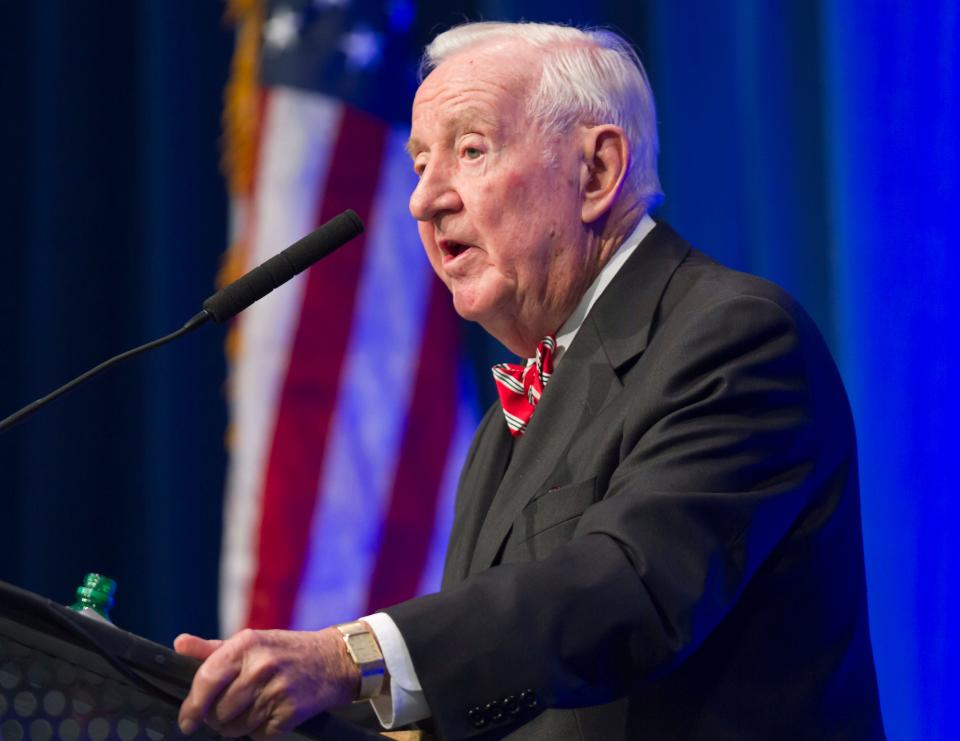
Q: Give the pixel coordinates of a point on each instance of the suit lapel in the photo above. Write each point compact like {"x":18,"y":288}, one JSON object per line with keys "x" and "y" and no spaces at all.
{"x":586,"y":380}
{"x":562,"y":410}
{"x":479,"y":482}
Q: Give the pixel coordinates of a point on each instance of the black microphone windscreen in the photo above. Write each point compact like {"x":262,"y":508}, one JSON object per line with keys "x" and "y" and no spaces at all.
{"x":234,"y":298}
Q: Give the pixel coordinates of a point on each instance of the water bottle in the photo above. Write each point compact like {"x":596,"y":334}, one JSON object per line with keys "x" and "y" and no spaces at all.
{"x":95,"y":597}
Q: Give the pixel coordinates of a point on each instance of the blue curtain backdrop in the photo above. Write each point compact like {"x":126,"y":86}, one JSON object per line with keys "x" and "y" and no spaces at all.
{"x":811,"y":142}
{"x":113,"y":222}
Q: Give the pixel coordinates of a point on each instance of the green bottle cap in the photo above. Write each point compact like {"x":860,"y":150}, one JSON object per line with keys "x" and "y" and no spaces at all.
{"x":96,"y":593}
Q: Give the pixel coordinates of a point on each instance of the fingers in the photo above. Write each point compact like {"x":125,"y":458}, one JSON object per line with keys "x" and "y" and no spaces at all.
{"x":266,"y":714}
{"x":241,"y":697}
{"x":198,"y":648}
{"x":220,"y":668}
{"x":266,"y":682}
{"x":257,"y":703}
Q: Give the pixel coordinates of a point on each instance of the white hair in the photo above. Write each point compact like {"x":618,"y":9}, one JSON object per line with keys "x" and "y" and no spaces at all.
{"x":588,"y":76}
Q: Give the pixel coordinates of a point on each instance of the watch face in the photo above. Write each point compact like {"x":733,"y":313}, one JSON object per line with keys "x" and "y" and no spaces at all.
{"x":365,"y":649}
{"x":366,"y":654}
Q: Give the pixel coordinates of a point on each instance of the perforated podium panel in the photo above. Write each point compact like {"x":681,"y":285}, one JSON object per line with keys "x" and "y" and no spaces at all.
{"x":44,"y":697}
{"x":65,"y":676}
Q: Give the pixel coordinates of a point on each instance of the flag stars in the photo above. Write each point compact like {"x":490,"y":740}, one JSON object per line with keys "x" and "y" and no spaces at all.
{"x":362,"y":48}
{"x":282,"y":29}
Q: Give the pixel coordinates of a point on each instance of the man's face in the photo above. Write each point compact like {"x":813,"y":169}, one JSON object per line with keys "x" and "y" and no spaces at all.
{"x":498,"y":217}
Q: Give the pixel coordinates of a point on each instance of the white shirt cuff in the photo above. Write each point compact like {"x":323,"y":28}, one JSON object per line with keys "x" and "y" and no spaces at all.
{"x":404,"y":703}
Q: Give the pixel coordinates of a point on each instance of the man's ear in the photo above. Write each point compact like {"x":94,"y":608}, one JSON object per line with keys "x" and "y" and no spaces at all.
{"x":606,"y":155}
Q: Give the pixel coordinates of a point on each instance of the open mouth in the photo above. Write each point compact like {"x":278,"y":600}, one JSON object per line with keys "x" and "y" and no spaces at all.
{"x":452,"y":250}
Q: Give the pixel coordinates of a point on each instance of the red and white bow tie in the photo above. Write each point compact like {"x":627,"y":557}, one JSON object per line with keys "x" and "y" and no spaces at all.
{"x":520,"y":386}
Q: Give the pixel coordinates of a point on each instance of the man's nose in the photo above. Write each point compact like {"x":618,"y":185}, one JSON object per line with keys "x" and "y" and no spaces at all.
{"x":434,"y":194}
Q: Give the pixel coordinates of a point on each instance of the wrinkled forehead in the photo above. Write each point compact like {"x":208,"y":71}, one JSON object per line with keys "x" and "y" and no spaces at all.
{"x":499,"y":73}
{"x":516,"y":59}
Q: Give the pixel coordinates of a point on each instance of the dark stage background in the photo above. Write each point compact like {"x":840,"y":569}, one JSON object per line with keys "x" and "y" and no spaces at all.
{"x":814,"y":143}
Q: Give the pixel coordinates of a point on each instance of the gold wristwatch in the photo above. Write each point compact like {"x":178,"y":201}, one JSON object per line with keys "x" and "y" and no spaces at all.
{"x":363,"y":648}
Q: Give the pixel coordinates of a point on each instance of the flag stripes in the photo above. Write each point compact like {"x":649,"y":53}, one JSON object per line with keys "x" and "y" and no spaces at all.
{"x":312,"y":383}
{"x":353,"y":495}
{"x":466,"y":425}
{"x":297,"y":135}
{"x":339,"y":497}
{"x":432,"y":417}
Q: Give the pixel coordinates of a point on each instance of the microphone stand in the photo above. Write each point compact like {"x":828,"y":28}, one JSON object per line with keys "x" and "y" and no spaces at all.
{"x":231,"y":299}
{"x":196,"y":321}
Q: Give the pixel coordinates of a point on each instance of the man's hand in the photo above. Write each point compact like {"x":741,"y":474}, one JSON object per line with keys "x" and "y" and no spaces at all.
{"x":265,"y":683}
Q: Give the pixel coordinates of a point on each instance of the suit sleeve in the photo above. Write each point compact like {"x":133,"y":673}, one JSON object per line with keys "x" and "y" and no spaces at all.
{"x":718,"y":458}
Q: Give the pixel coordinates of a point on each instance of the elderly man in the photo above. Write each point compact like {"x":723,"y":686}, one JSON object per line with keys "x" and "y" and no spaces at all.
{"x":657,"y":535}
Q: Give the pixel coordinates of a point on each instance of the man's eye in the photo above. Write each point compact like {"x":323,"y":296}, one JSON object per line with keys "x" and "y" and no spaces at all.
{"x":471,"y":153}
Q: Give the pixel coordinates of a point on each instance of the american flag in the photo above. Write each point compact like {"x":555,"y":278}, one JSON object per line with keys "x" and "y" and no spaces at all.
{"x":351,"y":404}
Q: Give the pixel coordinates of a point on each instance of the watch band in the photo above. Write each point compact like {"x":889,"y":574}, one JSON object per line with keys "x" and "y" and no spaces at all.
{"x":363,"y":648}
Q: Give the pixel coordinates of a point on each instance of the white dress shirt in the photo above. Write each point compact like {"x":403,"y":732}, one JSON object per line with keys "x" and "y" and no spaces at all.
{"x":405,"y":703}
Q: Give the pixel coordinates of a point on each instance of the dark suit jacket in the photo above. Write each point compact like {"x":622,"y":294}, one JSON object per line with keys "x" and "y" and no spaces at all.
{"x":673,"y":548}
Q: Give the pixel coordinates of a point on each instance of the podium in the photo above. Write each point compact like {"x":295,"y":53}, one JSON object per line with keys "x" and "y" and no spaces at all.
{"x":65,"y":676}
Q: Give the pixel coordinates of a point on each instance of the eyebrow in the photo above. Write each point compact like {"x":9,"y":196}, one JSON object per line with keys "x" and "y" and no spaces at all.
{"x":414,"y":146}
{"x":459,"y":121}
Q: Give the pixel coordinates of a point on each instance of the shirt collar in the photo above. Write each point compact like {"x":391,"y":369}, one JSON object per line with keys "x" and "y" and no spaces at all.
{"x":569,"y":330}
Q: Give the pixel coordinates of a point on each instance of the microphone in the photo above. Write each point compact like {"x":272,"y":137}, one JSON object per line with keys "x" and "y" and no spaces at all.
{"x":232,"y":299}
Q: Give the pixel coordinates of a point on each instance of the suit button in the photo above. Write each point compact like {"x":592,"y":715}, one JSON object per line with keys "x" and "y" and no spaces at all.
{"x":494,"y":712}
{"x":528,"y":699}
{"x":476,"y":717}
{"x":510,"y":705}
